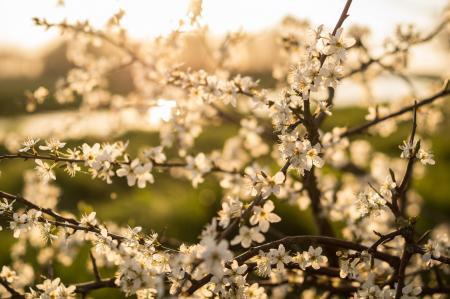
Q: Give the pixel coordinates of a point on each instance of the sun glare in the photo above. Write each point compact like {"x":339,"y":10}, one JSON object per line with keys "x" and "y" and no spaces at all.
{"x":147,"y":19}
{"x":161,"y":112}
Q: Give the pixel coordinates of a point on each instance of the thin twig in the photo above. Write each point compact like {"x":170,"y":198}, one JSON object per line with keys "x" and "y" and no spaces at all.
{"x":94,"y":267}
{"x":10,"y":289}
{"x":361,"y":128}
{"x":56,"y":159}
{"x":406,"y":255}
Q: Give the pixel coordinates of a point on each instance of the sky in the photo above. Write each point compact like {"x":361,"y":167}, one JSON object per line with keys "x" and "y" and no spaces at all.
{"x":146,"y":19}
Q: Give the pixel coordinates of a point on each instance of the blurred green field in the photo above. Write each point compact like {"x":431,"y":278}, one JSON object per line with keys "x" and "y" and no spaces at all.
{"x":174,"y":208}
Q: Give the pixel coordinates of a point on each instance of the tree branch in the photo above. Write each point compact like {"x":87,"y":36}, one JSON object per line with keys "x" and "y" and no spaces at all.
{"x":301,"y":240}
{"x":361,"y":128}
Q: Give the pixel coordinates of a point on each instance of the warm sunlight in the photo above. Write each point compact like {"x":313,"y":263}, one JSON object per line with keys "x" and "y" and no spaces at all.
{"x":149,"y":18}
{"x":161,"y":112}
{"x":224,"y":149}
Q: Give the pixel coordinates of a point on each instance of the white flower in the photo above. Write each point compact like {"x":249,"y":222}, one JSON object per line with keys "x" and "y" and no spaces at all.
{"x":302,"y":260}
{"x":279,"y":257}
{"x":370,"y":203}
{"x":135,"y":171}
{"x":387,"y":187}
{"x":410,"y":292}
{"x":28,"y":144}
{"x":143,"y":174}
{"x":89,"y":154}
{"x":236,"y":273}
{"x":244,"y":83}
{"x":230,"y":209}
{"x":149,"y":293}
{"x":89,"y":220}
{"x":337,"y":44}
{"x":247,"y":236}
{"x":331,"y":72}
{"x":55,"y":289}
{"x":369,"y":290}
{"x":252,"y":181}
{"x":52,"y":145}
{"x":214,"y":255}
{"x":48,"y":286}
{"x":407,"y":149}
{"x":155,"y":154}
{"x":425,"y":157}
{"x":314,"y":35}
{"x":348,"y":268}
{"x":314,"y":257}
{"x":280,"y":113}
{"x":305,"y":156}
{"x":8,"y":275}
{"x":312,"y":155}
{"x":40,"y":94}
{"x":6,"y":206}
{"x":271,"y":185}
{"x":23,"y":222}
{"x":254,"y":291}
{"x":219,"y":284}
{"x":229,"y":93}
{"x":325,"y":107}
{"x":44,"y":170}
{"x":263,"y":216}
{"x":66,"y":292}
{"x":73,"y":168}
{"x":197,"y":166}
{"x":46,"y":232}
{"x":432,"y":250}
{"x":101,"y":159}
{"x":300,"y":77}
{"x":263,"y":267}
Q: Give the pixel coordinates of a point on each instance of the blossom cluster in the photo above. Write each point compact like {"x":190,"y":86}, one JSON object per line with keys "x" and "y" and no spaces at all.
{"x":365,"y":244}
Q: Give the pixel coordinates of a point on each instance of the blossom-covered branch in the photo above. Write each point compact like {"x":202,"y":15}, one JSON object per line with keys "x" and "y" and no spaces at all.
{"x":276,"y":155}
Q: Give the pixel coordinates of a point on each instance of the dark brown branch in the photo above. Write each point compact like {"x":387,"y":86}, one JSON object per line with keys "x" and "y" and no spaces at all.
{"x":94,"y":267}
{"x":310,"y":184}
{"x":338,"y":290}
{"x":364,"y":66}
{"x":385,"y":238}
{"x":322,"y":115}
{"x":27,"y":156}
{"x":56,"y":159}
{"x":10,"y":289}
{"x":399,"y":195}
{"x":60,"y":220}
{"x":344,"y":15}
{"x":442,"y":258}
{"x":245,"y":215}
{"x":86,"y":287}
{"x":81,"y":288}
{"x":227,"y":232}
{"x":361,"y":128}
{"x":318,"y":240}
{"x":401,"y":271}
{"x":348,"y":290}
{"x":95,"y":33}
{"x":329,"y":242}
{"x":31,"y":205}
{"x":310,"y":123}
{"x":267,"y":132}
